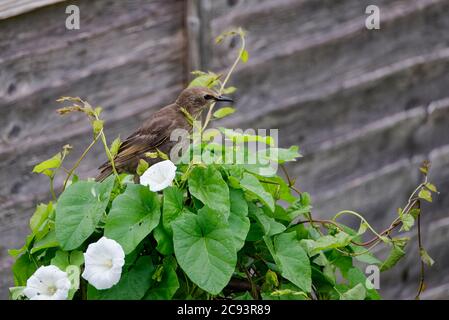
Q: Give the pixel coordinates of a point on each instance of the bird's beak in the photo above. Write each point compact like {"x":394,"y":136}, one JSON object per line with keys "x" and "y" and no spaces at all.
{"x":223,"y":98}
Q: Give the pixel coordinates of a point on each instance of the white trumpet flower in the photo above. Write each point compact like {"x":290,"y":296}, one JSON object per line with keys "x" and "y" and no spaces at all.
{"x":159,"y":176}
{"x":48,"y":283}
{"x":103,"y":262}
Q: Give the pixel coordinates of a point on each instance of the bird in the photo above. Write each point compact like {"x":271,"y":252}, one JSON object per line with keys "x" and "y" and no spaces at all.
{"x":154,"y":133}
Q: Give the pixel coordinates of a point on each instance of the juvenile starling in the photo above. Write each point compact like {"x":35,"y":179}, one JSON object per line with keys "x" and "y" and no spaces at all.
{"x":155,"y":131}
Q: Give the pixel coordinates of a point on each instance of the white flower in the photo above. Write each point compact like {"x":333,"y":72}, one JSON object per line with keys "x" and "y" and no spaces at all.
{"x":159,"y":176}
{"x":48,"y":283}
{"x":103,"y":262}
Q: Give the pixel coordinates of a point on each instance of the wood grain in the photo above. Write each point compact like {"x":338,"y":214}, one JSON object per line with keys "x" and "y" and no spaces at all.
{"x":365,"y":107}
{"x":11,"y":8}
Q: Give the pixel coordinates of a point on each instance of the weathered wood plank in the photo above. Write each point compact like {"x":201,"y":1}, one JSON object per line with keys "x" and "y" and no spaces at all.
{"x":98,"y":17}
{"x":11,"y":8}
{"x":108,"y":87}
{"x":416,"y":131}
{"x":364,"y":150}
{"x":314,"y":68}
{"x":283,"y":28}
{"x":97,"y":58}
{"x":277,"y":23}
{"x":376,"y":195}
{"x":345,"y":107}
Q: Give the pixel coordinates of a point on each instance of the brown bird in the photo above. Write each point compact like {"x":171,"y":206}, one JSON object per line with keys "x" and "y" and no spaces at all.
{"x":155,"y":131}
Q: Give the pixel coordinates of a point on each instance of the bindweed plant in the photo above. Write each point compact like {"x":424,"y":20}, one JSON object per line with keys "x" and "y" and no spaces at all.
{"x":199,"y":229}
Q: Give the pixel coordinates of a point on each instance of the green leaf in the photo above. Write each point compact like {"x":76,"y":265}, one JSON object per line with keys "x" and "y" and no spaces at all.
{"x":285,"y":294}
{"x":173,"y":206}
{"x":164,"y":240}
{"x":229,"y":90}
{"x":239,"y":138}
{"x":407,"y":222}
{"x":133,"y":215}
{"x":208,"y":186}
{"x":356,"y":293}
{"x":366,"y":257}
{"x":98,"y":111}
{"x":16,"y":293}
{"x":293,"y":260}
{"x":49,"y":241}
{"x":206,"y":80}
{"x":426,"y":258}
{"x":97,"y":126}
{"x":204,"y":248}
{"x":301,"y":206}
{"x":17,"y":252}
{"x":271,"y":281}
{"x":396,"y":254}
{"x":269,"y":225}
{"x":362,"y":228}
{"x":344,"y":263}
{"x":279,"y":189}
{"x":280,"y":155}
{"x":223,"y":112}
{"x":22,"y":269}
{"x":132,"y":286}
{"x":244,"y":56}
{"x":238,"y":219}
{"x":73,"y":273}
{"x":431,"y":187}
{"x":169,"y":284}
{"x":61,"y":260}
{"x":46,"y":166}
{"x":355,"y":276}
{"x":115,"y":146}
{"x":414,"y":212}
{"x":425,"y":195}
{"x":142,"y":167}
{"x":76,"y":258}
{"x":252,"y":185}
{"x":340,"y":240}
{"x":40,"y":216}
{"x":80,"y":208}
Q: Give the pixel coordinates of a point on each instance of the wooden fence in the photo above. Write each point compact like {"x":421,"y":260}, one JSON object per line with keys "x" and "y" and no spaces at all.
{"x":365,"y":106}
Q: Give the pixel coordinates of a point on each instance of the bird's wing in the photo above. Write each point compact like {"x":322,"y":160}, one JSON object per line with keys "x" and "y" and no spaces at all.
{"x":139,"y":143}
{"x":151,"y":135}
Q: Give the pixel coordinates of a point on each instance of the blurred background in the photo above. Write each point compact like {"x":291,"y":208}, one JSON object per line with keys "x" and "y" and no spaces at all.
{"x":365,"y":106}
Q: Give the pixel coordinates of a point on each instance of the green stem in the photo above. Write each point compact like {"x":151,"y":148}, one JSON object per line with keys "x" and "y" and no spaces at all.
{"x":360,"y":217}
{"x":80,"y":159}
{"x":106,"y":149}
{"x":52,"y":189}
{"x":226,"y":79}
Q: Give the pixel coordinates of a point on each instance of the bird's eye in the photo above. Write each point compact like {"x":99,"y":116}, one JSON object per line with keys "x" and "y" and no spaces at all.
{"x":208,"y":97}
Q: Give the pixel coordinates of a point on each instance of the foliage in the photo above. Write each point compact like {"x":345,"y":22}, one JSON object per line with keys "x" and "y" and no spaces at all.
{"x":221,"y":231}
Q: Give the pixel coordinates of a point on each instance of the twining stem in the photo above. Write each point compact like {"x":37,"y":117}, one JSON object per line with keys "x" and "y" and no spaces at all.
{"x":420,"y":248}
{"x":226,"y":79}
{"x":69,"y":174}
{"x":108,"y":153}
{"x":106,"y":148}
{"x":254,"y":291}
{"x":291,"y":183}
{"x":52,"y":189}
{"x":360,"y":217}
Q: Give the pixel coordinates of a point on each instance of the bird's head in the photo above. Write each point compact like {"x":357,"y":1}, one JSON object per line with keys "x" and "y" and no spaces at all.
{"x":196,"y":98}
